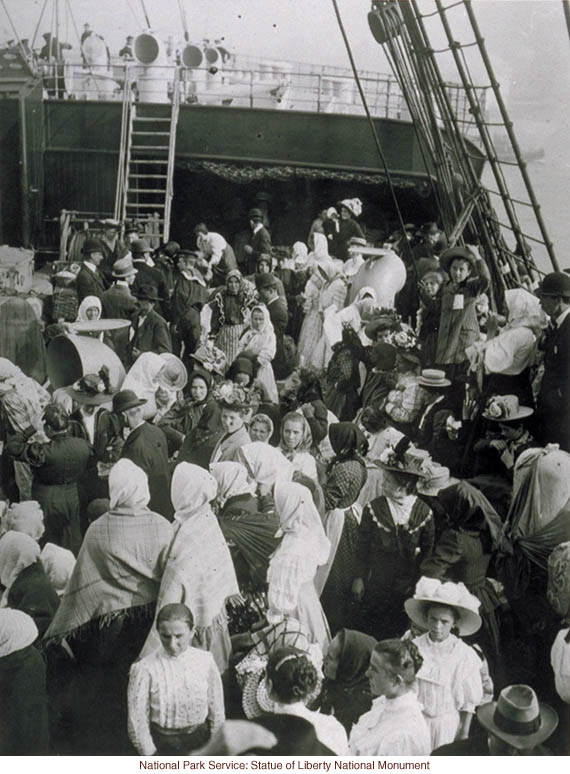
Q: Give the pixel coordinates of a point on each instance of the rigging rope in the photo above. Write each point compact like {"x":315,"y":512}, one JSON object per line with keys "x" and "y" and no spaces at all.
{"x":15,"y":31}
{"x":143,"y":6}
{"x":38,"y":24}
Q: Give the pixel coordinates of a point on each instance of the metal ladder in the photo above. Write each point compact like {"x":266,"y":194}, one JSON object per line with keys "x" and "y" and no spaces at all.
{"x":146,"y":162}
{"x":465,"y":204}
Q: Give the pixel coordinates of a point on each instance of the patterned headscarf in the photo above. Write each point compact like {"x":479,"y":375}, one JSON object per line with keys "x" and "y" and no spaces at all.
{"x":347,"y":440}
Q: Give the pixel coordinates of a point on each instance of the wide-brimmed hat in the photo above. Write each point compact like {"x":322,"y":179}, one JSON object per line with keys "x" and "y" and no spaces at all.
{"x":448,"y":256}
{"x":381,"y":324}
{"x":355,"y":242}
{"x":148,"y":293}
{"x":433,"y":377}
{"x":173,"y":374}
{"x":431,"y":591}
{"x":506,"y":408}
{"x":126,"y":399}
{"x":435,"y":478}
{"x":518,"y":718}
{"x":211,"y":358}
{"x":92,"y":246}
{"x":557,"y":283}
{"x":124,"y":267}
{"x":91,"y":390}
{"x":403,"y":458}
{"x":140,"y":247}
{"x":354,"y":206}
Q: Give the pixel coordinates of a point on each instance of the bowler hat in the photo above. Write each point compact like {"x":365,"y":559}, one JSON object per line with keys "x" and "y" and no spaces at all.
{"x":518,"y":718}
{"x":171,"y":249}
{"x":124,"y":267}
{"x":263,"y":281}
{"x":448,"y":256}
{"x":140,"y":247}
{"x":92,"y":246}
{"x":557,"y":283}
{"x":148,"y":293}
{"x":126,"y":399}
{"x":255,"y":213}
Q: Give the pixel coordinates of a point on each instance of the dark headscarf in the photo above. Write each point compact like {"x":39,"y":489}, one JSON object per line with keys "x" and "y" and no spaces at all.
{"x":468,"y":508}
{"x":354,"y":659}
{"x":205,"y":376}
{"x":241,"y":365}
{"x":347,"y":440}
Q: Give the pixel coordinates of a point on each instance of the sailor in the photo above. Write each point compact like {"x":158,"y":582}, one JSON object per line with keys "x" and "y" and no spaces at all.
{"x":86,"y":32}
{"x":89,"y":279}
{"x":127,"y":50}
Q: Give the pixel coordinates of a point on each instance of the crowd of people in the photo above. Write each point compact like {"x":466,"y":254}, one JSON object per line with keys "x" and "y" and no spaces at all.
{"x":306,"y":520}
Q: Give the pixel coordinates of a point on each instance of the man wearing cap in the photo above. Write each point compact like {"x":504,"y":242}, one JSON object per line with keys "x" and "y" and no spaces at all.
{"x":120,"y":304}
{"x":147,"y":273}
{"x":260,"y":241}
{"x":267,"y":288}
{"x":147,"y":447}
{"x":150,"y":330}
{"x":553,"y":404}
{"x":516,"y":724}
{"x":89,"y":279}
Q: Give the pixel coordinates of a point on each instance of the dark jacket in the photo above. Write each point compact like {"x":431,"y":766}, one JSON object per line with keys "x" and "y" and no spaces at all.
{"x":23,"y":709}
{"x":119,"y":304}
{"x":260,"y":244}
{"x":146,"y":446}
{"x":152,"y":334}
{"x":89,"y":283}
{"x":279,"y":319}
{"x":553,"y":411}
{"x":32,"y":593}
{"x":150,"y":275}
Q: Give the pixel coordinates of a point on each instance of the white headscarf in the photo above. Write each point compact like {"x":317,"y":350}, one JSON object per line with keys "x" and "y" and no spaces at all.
{"x":300,"y":254}
{"x":17,"y":552}
{"x":525,"y":310}
{"x":545,"y":476}
{"x":17,"y":631}
{"x":321,"y":251}
{"x":142,"y":378}
{"x":128,"y":487}
{"x":259,"y":342}
{"x":87,"y":303}
{"x":192,"y":490}
{"x":58,"y":564}
{"x":232,"y":480}
{"x":264,"y":463}
{"x":299,"y":517}
{"x":26,"y":517}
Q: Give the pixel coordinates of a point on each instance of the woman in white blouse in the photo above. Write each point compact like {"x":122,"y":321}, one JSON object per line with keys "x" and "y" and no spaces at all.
{"x":395,"y":725}
{"x":290,"y":681}
{"x":175,"y":695}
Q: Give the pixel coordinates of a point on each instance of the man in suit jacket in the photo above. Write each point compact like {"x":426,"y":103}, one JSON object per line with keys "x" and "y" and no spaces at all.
{"x":146,"y":446}
{"x":150,"y":330}
{"x":89,"y":280}
{"x":260,"y":241}
{"x":553,"y":405}
{"x":149,"y":274}
{"x":277,"y":308}
{"x":120,"y":304}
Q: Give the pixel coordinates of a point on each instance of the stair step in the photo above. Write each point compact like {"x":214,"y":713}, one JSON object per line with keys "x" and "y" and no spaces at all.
{"x":152,"y":134}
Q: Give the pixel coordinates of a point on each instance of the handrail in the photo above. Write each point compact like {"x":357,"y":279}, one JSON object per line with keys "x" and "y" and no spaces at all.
{"x":171,"y":154}
{"x":123,"y":151}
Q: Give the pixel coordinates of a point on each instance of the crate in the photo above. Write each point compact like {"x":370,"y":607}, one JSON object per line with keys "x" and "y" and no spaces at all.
{"x":16,"y":269}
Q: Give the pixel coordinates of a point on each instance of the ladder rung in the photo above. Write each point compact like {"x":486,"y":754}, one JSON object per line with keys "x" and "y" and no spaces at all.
{"x":147,"y":190}
{"x":148,"y":161}
{"x":150,"y":147}
{"x":153,"y":134}
{"x":148,"y":118}
{"x":146,"y":204}
{"x":157,"y":177}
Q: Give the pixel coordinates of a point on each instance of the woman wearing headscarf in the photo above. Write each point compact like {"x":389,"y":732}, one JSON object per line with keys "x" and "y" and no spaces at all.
{"x":463,"y":554}
{"x":258,"y":343}
{"x":25,"y":583}
{"x":23,"y":709}
{"x":265,"y":465}
{"x":202,"y":425}
{"x":503,"y":361}
{"x":199,"y":572}
{"x":332,"y":297}
{"x":312,"y":325}
{"x":346,"y":688}
{"x":230,"y":310}
{"x":109,"y":604}
{"x":346,"y":475}
{"x":90,"y":309}
{"x":296,"y":443}
{"x":304,"y":547}
{"x":142,"y":378}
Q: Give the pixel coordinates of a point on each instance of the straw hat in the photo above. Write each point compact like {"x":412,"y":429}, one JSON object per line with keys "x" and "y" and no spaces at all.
{"x":173,"y":375}
{"x":518,"y":718}
{"x":403,"y":458}
{"x":431,"y":591}
{"x":432,"y":377}
{"x":505,"y":408}
{"x":436,"y":478}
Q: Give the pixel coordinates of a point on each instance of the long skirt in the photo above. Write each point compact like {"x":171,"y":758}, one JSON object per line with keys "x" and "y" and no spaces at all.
{"x":310,"y":615}
{"x":336,"y":598}
{"x":61,"y":506}
{"x":311,"y":334}
{"x":228,"y":341}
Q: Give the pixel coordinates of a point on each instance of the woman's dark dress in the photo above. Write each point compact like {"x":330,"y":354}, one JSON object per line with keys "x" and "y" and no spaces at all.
{"x":32,"y":593}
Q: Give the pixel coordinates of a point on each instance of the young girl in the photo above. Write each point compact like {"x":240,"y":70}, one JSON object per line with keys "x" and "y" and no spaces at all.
{"x":261,"y":428}
{"x":202,"y":423}
{"x":449,"y":682}
{"x":233,"y":401}
{"x":430,"y":286}
{"x":175,"y":695}
{"x":296,"y":442}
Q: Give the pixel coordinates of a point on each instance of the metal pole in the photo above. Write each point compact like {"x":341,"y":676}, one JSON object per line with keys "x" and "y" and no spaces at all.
{"x":566,"y":7}
{"x":38,"y":24}
{"x":509,"y":127}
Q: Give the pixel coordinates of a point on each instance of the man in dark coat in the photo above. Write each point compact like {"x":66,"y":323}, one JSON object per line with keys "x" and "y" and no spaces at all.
{"x":260,"y":241}
{"x":277,"y":308}
{"x":149,"y":274}
{"x":120,"y":304}
{"x":553,"y":405}
{"x":150,"y":330}
{"x":147,"y":447}
{"x":89,"y":280}
{"x":190,"y":295}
